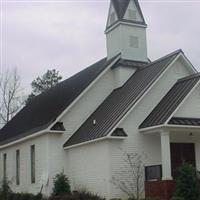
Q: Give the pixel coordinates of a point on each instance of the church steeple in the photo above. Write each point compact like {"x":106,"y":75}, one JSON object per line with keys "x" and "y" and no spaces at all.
{"x":126,"y":30}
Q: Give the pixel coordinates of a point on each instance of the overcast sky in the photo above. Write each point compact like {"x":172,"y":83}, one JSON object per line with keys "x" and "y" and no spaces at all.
{"x":69,"y":35}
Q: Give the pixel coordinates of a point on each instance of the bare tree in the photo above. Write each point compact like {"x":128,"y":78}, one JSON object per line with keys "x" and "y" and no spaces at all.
{"x":130,"y":178}
{"x":10,"y":100}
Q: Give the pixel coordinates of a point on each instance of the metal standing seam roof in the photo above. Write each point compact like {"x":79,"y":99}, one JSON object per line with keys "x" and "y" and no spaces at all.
{"x":170,"y":101}
{"x":115,"y":106}
{"x":42,"y":111}
{"x":184,"y":121}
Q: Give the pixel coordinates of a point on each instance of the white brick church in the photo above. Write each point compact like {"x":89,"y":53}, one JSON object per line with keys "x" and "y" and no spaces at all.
{"x":122,"y":103}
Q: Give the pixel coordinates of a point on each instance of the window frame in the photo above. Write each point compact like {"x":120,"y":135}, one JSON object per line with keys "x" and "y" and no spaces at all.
{"x":32,"y":157}
{"x":5,"y":166}
{"x":148,"y":177}
{"x":17,"y":167}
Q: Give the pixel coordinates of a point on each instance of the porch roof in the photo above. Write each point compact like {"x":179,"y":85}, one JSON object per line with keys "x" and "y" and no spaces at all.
{"x":183,"y":121}
{"x":170,"y":102}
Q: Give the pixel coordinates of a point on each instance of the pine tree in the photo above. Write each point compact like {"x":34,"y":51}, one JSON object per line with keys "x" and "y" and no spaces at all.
{"x":43,"y":83}
{"x":61,"y":185}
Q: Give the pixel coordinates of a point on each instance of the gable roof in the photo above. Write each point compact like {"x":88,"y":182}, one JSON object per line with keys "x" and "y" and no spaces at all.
{"x":117,"y":104}
{"x":171,"y":101}
{"x":46,"y":107}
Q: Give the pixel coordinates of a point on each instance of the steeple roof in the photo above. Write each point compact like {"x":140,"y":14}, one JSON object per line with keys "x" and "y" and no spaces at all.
{"x":121,"y":7}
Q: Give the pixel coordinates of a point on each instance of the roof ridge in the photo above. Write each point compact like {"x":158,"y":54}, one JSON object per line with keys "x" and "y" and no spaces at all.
{"x":129,"y":60}
{"x":186,"y":78}
{"x":161,"y":59}
{"x":167,"y":56}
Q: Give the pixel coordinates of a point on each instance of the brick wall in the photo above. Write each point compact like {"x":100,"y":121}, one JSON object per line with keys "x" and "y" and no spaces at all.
{"x":162,"y":189}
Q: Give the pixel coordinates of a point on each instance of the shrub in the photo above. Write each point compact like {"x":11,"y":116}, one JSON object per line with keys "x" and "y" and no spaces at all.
{"x":115,"y":199}
{"x":39,"y":196}
{"x":85,"y":195}
{"x":151,"y":198}
{"x":61,"y":185}
{"x":177,"y":198}
{"x":77,"y":195}
{"x":187,"y":186}
{"x":5,"y":190}
{"x":24,"y":196}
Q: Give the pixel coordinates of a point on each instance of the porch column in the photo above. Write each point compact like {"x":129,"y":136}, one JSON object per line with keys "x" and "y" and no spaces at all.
{"x":165,"y":154}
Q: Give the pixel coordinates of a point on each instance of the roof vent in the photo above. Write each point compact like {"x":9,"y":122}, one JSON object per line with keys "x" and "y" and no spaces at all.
{"x":58,"y":127}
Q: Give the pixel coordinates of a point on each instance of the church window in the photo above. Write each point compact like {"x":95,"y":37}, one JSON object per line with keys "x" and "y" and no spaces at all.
{"x":132,"y":14}
{"x":17,"y":167}
{"x":32,"y":163}
{"x":134,"y":42}
{"x":4,"y":166}
{"x":112,"y":18}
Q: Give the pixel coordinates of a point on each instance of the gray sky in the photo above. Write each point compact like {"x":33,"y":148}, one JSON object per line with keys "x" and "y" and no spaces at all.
{"x":69,"y":35}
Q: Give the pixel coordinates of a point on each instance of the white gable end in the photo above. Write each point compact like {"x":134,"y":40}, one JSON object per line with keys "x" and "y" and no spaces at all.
{"x":132,"y":12}
{"x":191,"y":107}
{"x":122,"y":74}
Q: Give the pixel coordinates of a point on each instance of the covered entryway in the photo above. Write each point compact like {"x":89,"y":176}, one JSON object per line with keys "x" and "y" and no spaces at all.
{"x":178,"y":145}
{"x":181,"y":153}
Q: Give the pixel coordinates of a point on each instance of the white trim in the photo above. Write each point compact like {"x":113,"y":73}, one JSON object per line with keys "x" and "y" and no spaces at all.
{"x":117,"y":137}
{"x":107,"y":22}
{"x":189,"y":63}
{"x":124,"y":23}
{"x":96,"y":140}
{"x":36,"y":134}
{"x":147,"y":91}
{"x":84,"y":91}
{"x":54,"y":131}
{"x":166,"y":127}
{"x":151,"y":128}
{"x":182,"y":102}
{"x":84,"y":143}
{"x":182,"y":126}
{"x":24,"y":138}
